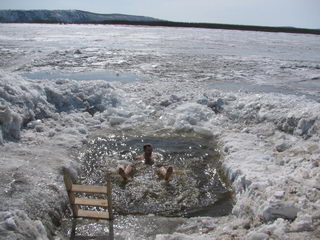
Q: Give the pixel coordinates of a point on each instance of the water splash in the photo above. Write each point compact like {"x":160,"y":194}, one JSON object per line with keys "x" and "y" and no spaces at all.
{"x":196,"y":183}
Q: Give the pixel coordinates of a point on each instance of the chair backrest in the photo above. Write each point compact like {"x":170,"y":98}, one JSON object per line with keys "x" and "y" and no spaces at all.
{"x":100,"y":196}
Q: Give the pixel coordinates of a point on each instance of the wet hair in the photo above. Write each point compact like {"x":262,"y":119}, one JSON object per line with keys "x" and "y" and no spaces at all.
{"x":146,"y":145}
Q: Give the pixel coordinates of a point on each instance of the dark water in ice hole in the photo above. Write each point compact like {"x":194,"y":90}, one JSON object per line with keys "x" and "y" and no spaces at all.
{"x":197,"y":188}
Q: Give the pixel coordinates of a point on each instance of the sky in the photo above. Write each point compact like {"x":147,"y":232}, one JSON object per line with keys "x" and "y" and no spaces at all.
{"x":294,"y":13}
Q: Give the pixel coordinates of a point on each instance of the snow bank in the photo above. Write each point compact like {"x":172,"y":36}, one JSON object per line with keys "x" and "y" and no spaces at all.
{"x":290,"y":114}
{"x":27,"y":104}
{"x":10,"y":124}
{"x":17,"y":225}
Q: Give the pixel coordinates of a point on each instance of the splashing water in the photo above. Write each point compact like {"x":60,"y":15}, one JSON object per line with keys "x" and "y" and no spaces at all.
{"x":196,"y":187}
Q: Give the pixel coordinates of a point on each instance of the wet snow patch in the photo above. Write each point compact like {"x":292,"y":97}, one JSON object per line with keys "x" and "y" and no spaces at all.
{"x":265,"y":88}
{"x":85,"y":76}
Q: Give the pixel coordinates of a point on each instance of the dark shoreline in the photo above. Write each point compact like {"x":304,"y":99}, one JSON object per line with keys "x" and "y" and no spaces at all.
{"x":193,"y":25}
{"x":219,"y":26}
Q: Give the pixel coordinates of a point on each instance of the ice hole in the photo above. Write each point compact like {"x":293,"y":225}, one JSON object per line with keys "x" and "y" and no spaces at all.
{"x":197,"y":187}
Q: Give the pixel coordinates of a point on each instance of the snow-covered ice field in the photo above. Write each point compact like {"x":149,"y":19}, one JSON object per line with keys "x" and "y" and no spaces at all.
{"x":257,"y":95}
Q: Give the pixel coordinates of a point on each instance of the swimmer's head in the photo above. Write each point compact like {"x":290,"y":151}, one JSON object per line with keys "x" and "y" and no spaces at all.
{"x":147,"y":148}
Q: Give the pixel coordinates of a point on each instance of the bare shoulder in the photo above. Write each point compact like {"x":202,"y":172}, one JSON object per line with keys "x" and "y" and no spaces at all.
{"x":156,"y":156}
{"x":138,"y":157}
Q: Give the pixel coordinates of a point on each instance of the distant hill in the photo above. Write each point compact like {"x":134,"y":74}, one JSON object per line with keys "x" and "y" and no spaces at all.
{"x":66,"y":16}
{"x":77,"y":16}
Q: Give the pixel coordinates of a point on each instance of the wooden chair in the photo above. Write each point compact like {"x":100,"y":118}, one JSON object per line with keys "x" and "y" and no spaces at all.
{"x":104,"y":202}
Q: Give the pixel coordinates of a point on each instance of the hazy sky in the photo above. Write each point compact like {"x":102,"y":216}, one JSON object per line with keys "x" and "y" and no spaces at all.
{"x":296,"y":13}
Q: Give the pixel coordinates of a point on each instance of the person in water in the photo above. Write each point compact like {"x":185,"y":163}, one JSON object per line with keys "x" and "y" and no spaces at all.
{"x":149,"y":159}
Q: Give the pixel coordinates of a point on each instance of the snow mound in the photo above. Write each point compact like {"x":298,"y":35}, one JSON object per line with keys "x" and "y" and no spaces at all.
{"x":17,"y":225}
{"x":10,"y":123}
{"x":293,"y":115}
{"x":32,"y":102}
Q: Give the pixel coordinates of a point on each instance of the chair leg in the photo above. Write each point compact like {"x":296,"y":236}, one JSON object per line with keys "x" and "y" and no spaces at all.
{"x":111,"y":234}
{"x":73,"y":229}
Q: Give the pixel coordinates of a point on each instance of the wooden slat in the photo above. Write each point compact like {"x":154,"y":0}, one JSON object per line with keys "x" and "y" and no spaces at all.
{"x":89,"y":189}
{"x":91,"y":202}
{"x":92,"y":214}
